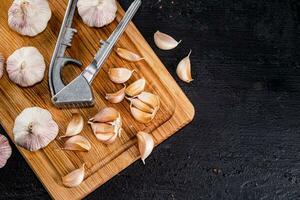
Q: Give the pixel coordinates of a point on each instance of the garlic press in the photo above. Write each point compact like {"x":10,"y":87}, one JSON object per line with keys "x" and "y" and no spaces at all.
{"x":78,"y":93}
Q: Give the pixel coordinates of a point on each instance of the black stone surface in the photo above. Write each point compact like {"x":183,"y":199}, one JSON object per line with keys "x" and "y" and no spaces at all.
{"x":245,"y":140}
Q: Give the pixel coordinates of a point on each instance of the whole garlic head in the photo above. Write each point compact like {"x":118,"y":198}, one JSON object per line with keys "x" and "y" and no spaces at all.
{"x":97,"y":13}
{"x":1,"y":65}
{"x":34,"y":129}
{"x":29,"y":17}
{"x":5,"y":150}
{"x":26,"y":66}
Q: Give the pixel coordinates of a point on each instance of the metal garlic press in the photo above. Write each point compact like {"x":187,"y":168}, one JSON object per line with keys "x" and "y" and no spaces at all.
{"x":78,"y":93}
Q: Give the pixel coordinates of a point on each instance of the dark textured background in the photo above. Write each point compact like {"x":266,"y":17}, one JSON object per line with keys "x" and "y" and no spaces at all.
{"x":245,"y":140}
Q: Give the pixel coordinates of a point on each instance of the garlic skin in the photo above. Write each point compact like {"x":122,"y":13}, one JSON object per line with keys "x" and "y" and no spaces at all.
{"x":26,"y":66}
{"x":136,"y":87}
{"x":34,"y":129}
{"x":120,"y":75}
{"x":145,"y":144}
{"x":164,"y":41}
{"x":128,"y":55}
{"x":5,"y":151}
{"x":184,"y":69}
{"x":97,"y":13}
{"x":107,"y":125}
{"x":75,"y":126}
{"x":77,"y":143}
{"x":116,"y":97}
{"x":74,"y":178}
{"x":29,"y":17}
{"x":1,"y":65}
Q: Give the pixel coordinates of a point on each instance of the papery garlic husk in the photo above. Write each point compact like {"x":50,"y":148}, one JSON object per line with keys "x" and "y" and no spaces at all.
{"x":97,"y":13}
{"x":184,"y":69}
{"x":77,"y":143}
{"x":75,"y":126}
{"x":145,"y":144}
{"x":34,"y":129}
{"x":164,"y":41}
{"x":1,"y":65}
{"x":74,"y":178}
{"x":136,"y":88}
{"x":5,"y":151}
{"x":107,"y":125}
{"x":120,"y":75}
{"x":26,"y":66}
{"x":116,"y":97}
{"x":29,"y":17}
{"x":128,"y":55}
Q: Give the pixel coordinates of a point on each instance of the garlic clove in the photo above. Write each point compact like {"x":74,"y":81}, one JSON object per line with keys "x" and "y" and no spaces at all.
{"x":75,"y":126}
{"x":150,"y":99}
{"x":107,"y":114}
{"x":145,"y":144}
{"x":95,"y":13}
{"x":164,"y":41}
{"x":128,"y":55}
{"x":5,"y":151}
{"x":120,"y":75}
{"x":26,"y":66}
{"x":1,"y":65}
{"x":136,"y":88}
{"x":29,"y":17}
{"x":77,"y":143}
{"x":116,"y":97}
{"x":74,"y":178}
{"x":184,"y":69}
{"x":34,"y":129}
{"x":137,"y":103}
{"x":141,"y":116}
{"x":102,"y":128}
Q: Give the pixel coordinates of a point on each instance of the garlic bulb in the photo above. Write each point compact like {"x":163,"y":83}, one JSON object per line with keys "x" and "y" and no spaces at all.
{"x":74,"y":178}
{"x":34,"y":129}
{"x":107,"y":125}
{"x":184,"y":69}
{"x":164,"y":41}
{"x":119,"y":75}
{"x":97,"y":13}
{"x":29,"y":17}
{"x":1,"y":65}
{"x":5,"y":150}
{"x":26,"y":66}
{"x":146,"y":144}
{"x":144,"y":107}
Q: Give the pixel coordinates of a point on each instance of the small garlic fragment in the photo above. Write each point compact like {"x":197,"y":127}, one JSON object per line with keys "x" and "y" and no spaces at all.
{"x":5,"y":151}
{"x":75,"y":126}
{"x":1,"y":65}
{"x":116,"y":97}
{"x":107,"y":125}
{"x":26,"y":66}
{"x":136,"y":88}
{"x":128,"y":55}
{"x":119,"y":75}
{"x":146,"y":144}
{"x":164,"y":41}
{"x":29,"y":17}
{"x":74,"y":178}
{"x":34,"y":129}
{"x":184,"y":69}
{"x":77,"y":143}
{"x":97,"y":13}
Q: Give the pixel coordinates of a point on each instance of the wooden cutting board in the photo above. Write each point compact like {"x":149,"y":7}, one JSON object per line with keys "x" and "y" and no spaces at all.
{"x":103,"y":161}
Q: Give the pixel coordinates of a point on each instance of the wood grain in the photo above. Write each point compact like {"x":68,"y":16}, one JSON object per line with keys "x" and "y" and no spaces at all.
{"x":103,"y":162}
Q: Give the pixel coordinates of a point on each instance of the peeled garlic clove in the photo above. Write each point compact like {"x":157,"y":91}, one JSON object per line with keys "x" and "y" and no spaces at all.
{"x":107,"y":114}
{"x":97,"y":13}
{"x":29,"y":17}
{"x":136,"y":88}
{"x":146,"y":144}
{"x":137,"y":103}
{"x":150,"y":99}
{"x":5,"y":151}
{"x":184,"y":69}
{"x":75,"y":126}
{"x":116,"y":97}
{"x":141,"y":116}
{"x":119,"y":75}
{"x":74,"y":178}
{"x":34,"y":129}
{"x":164,"y":41}
{"x":128,"y":55}
{"x":26,"y":66}
{"x":1,"y":65}
{"x":77,"y":143}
